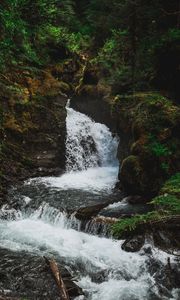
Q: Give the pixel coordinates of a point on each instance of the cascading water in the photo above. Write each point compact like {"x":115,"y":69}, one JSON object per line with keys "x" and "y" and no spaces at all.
{"x":91,"y":162}
{"x":102,"y":268}
{"x":88,"y":144}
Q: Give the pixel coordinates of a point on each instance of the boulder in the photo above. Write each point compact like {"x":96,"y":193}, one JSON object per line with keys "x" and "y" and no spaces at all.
{"x":27,"y":276}
{"x":133,"y":244}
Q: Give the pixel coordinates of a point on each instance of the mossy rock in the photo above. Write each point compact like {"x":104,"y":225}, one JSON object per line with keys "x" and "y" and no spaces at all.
{"x":150,"y":123}
{"x":64,"y":87}
{"x":166,"y":214}
{"x":140,"y":175}
{"x":87,"y":90}
{"x":138,"y":147}
{"x":131,"y":173}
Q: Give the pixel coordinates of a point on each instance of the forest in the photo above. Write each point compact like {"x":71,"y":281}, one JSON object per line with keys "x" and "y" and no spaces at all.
{"x":89,"y":149}
{"x":134,"y":42}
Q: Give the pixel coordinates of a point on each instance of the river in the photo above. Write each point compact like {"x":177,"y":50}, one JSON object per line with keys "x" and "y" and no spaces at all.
{"x":36,"y":221}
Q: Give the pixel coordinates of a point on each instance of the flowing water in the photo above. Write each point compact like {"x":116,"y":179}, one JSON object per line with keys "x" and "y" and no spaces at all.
{"x":36,"y":221}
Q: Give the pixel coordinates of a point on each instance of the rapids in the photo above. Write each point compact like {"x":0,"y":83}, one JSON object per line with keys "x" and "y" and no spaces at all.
{"x":36,"y":221}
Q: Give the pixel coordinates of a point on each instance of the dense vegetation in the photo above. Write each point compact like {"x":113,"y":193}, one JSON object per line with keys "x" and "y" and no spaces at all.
{"x":132,"y":44}
{"x":166,"y":207}
{"x":134,"y":41}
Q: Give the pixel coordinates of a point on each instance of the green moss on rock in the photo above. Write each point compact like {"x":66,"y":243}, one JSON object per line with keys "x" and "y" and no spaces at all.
{"x":151,"y":123}
{"x":167,"y":208}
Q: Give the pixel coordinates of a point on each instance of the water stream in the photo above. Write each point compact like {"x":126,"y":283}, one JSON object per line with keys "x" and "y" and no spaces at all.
{"x":36,"y":221}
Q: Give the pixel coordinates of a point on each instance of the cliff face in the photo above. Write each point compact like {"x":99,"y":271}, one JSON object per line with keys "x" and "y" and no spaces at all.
{"x":33,"y":128}
{"x":147,"y":124}
{"x":150,"y":123}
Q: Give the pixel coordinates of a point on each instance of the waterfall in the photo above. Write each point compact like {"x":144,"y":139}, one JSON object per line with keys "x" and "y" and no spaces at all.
{"x":88,"y":144}
{"x":38,"y":222}
{"x":91,"y":156}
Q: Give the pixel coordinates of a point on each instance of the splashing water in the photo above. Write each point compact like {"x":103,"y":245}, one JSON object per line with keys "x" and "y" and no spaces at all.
{"x":88,"y":144}
{"x":102,"y":268}
{"x":91,"y":156}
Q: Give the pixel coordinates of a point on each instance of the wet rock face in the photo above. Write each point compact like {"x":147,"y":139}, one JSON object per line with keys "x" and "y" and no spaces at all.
{"x":86,"y":213}
{"x":133,"y":244}
{"x":46,"y":145}
{"x":148,"y":155}
{"x":147,"y":125}
{"x":168,"y":239}
{"x":92,"y":104}
{"x":166,"y":276}
{"x":34,"y":131}
{"x":28,"y":276}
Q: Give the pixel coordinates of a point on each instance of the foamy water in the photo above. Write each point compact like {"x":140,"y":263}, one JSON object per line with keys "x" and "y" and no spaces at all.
{"x":49,"y":232}
{"x":102,"y":268}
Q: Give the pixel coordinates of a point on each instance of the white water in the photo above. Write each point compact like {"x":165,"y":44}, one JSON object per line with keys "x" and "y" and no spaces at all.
{"x":91,"y":156}
{"x":48,"y":231}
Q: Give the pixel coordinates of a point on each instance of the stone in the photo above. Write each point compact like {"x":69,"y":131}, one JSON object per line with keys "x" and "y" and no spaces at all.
{"x":29,"y":277}
{"x":86,"y":213}
{"x":133,"y":244}
{"x":136,"y":199}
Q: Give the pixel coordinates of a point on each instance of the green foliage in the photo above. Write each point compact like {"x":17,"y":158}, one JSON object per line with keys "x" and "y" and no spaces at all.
{"x":130,"y":224}
{"x":157,"y":148}
{"x":124,"y":37}
{"x":73,"y":41}
{"x":112,"y":57}
{"x":172,"y":186}
{"x":167,"y":205}
{"x":26,"y":26}
{"x":168,"y":202}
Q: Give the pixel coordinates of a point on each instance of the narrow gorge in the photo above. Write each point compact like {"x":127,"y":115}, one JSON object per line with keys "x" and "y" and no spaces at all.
{"x":89,"y":150}
{"x":40,"y":220}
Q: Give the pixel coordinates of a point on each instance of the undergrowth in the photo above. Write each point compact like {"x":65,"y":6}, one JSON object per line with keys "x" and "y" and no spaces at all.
{"x":167,"y":205}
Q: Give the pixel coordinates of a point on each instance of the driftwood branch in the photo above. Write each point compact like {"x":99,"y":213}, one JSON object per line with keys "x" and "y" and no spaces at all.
{"x":58,"y":278}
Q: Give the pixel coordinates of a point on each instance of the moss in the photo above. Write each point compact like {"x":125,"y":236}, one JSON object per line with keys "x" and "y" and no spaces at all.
{"x":157,"y":148}
{"x":167,"y":206}
{"x":87,"y":89}
{"x":172,"y":186}
{"x":168,"y":203}
{"x":151,"y":123}
{"x":64,"y":87}
{"x":11,"y":123}
{"x":131,"y":164}
{"x":130,"y":224}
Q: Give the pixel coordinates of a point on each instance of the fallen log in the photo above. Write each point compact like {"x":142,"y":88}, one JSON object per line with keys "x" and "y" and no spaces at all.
{"x":58,"y":278}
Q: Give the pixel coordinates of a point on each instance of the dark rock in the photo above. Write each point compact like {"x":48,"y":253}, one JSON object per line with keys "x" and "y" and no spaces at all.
{"x":42,"y":171}
{"x":147,"y":250}
{"x":99,"y":277}
{"x":94,"y":107}
{"x":125,"y":209}
{"x":133,"y":244}
{"x":141,"y":168}
{"x":131,"y":173}
{"x":28,"y":276}
{"x":136,"y":199}
{"x":167,"y":277}
{"x":168,"y":239}
{"x":86,"y":213}
{"x":34,"y":130}
{"x":72,"y":288}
